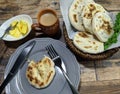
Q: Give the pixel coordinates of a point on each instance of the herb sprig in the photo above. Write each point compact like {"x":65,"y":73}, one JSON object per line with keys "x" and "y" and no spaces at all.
{"x":114,"y":37}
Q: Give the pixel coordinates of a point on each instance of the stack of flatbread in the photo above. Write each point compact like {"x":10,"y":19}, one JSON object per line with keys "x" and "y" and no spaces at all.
{"x":40,"y":74}
{"x":93,"y":24}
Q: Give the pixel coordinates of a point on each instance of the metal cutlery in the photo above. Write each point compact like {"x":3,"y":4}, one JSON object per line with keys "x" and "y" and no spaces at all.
{"x":22,"y":58}
{"x":8,"y":29}
{"x":58,"y":62}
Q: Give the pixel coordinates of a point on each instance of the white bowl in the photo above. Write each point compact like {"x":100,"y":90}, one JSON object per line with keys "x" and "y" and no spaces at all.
{"x":7,"y":23}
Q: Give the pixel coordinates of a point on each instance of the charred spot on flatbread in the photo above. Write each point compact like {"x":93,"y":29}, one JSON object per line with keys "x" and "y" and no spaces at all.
{"x":75,"y":18}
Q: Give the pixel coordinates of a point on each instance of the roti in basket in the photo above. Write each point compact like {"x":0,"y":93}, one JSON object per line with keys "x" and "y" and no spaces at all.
{"x":95,"y":23}
{"x":75,"y":11}
{"x":88,"y":43}
{"x":102,"y":26}
{"x":88,"y":13}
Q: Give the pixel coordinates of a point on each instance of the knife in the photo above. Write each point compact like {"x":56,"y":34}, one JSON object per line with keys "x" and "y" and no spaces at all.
{"x":22,"y":58}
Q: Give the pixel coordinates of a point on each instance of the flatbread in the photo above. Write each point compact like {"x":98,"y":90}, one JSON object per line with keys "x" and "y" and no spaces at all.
{"x":88,"y":13}
{"x":75,"y":11}
{"x":40,"y":74}
{"x":87,"y":43}
{"x":102,"y":26}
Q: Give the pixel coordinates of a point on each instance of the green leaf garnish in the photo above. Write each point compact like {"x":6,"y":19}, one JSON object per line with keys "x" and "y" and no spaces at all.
{"x":113,"y":38}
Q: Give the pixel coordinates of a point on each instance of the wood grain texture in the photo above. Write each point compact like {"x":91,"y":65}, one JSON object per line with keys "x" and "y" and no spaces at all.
{"x":97,"y":77}
{"x":111,"y":5}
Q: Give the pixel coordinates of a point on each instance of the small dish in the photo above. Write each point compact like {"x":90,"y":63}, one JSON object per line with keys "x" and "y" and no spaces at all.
{"x":7,"y":23}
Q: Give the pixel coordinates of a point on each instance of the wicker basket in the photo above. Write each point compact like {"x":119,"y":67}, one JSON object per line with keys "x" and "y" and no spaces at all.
{"x":87,"y":56}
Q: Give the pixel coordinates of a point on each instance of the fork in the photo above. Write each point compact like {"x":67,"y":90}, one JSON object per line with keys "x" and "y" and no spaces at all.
{"x":7,"y":30}
{"x":58,"y":62}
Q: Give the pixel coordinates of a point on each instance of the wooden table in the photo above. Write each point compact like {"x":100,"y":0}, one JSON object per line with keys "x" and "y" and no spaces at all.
{"x":97,"y":77}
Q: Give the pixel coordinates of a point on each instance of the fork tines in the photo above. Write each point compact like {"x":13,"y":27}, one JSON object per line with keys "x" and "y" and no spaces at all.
{"x":51,"y":51}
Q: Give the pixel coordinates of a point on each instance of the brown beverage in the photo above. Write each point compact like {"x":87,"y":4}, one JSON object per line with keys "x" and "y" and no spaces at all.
{"x":48,"y":19}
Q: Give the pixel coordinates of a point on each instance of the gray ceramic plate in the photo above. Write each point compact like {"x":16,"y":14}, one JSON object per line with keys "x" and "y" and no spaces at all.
{"x":20,"y":85}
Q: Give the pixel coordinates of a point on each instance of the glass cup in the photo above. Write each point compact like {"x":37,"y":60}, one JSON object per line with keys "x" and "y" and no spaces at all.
{"x":48,"y":22}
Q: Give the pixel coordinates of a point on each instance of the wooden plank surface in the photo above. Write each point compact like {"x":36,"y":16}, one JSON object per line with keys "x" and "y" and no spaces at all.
{"x":97,"y":77}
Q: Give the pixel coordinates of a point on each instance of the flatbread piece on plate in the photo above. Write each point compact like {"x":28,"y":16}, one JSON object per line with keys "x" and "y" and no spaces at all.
{"x":40,"y":74}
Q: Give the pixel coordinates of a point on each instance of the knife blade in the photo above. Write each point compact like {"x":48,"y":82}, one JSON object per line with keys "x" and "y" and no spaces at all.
{"x":22,"y":58}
